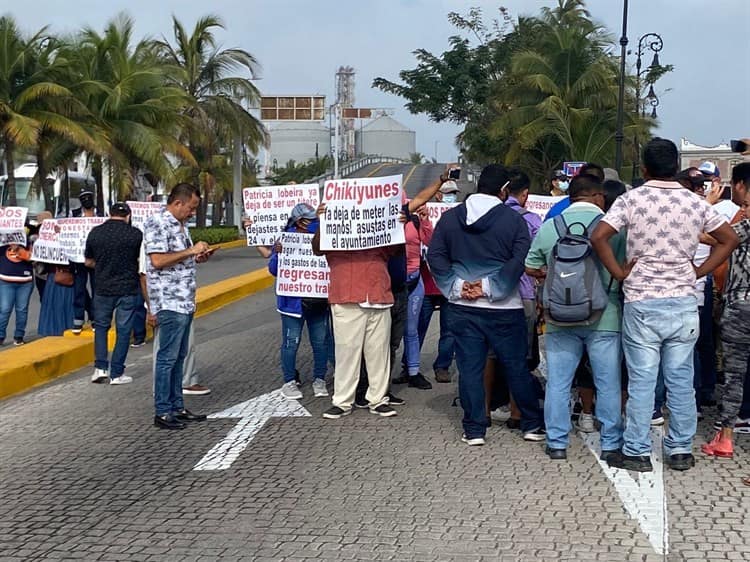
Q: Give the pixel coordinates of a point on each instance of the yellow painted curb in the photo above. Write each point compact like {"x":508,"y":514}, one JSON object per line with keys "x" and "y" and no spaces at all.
{"x":233,"y":244}
{"x":46,"y":359}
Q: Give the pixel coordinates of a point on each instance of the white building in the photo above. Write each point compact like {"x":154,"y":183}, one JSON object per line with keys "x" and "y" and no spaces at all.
{"x":721,"y":155}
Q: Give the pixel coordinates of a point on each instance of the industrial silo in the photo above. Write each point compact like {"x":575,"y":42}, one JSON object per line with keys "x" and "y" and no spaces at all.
{"x":385,"y":136}
{"x":297,"y":140}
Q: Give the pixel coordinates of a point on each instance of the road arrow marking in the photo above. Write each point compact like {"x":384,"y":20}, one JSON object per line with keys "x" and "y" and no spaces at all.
{"x":643,"y":498}
{"x":253,"y":414}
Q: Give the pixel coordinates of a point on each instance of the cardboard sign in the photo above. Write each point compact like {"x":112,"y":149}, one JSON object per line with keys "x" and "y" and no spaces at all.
{"x":541,"y":204}
{"x":571,"y":169}
{"x":301,"y":273}
{"x":47,"y":248}
{"x":13,"y":225}
{"x":73,"y":234}
{"x":269,"y":208}
{"x":140,"y":211}
{"x":362,"y":213}
{"x":436,"y":210}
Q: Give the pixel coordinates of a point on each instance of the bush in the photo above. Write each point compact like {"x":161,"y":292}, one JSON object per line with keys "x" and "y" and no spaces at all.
{"x":214,"y":234}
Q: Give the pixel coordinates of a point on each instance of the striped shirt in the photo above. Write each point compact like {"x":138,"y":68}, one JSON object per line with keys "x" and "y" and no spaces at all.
{"x":738,"y":279}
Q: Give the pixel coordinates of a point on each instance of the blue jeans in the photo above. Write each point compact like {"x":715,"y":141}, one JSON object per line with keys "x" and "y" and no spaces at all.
{"x":446,"y":343}
{"x":174,"y":337}
{"x":564,"y":351}
{"x":82,"y":302}
{"x":504,"y":331}
{"x":291,"y":333}
{"x":123,"y":308}
{"x":411,"y":335}
{"x":660,"y":332}
{"x":139,"y":320}
{"x":14,"y":296}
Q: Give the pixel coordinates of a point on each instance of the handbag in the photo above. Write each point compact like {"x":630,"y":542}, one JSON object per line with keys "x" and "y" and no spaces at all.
{"x":64,"y":276}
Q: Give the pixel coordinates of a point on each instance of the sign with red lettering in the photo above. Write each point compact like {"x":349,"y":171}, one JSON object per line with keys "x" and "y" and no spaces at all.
{"x":362,"y":213}
{"x":140,"y":211}
{"x":73,"y":234}
{"x":300,"y":272}
{"x":47,"y":248}
{"x":13,"y":225}
{"x":541,"y":204}
{"x":436,"y":210}
{"x":269,"y":208}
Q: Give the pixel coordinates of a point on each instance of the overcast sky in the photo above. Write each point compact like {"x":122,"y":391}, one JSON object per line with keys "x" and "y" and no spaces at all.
{"x":301,"y":43}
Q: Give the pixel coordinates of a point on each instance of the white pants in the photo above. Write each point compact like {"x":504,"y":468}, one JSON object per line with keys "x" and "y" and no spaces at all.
{"x":361,"y":331}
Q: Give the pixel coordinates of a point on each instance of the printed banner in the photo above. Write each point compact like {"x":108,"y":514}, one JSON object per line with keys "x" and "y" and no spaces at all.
{"x":436,"y":210}
{"x":362,"y":213}
{"x":47,"y":248}
{"x":269,"y":208}
{"x":13,"y":225}
{"x":572,"y":168}
{"x":301,"y":273}
{"x":541,"y":204}
{"x":140,"y":211}
{"x":73,"y":234}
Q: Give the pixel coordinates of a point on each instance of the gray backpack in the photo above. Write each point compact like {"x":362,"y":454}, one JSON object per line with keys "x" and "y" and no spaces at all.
{"x":574,"y":294}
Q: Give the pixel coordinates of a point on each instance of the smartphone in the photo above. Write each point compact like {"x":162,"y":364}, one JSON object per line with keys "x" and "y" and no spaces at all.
{"x":454,"y":173}
{"x":738,"y":146}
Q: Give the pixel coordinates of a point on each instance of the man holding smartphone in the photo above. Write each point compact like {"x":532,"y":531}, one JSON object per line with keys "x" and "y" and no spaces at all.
{"x":171,"y":289}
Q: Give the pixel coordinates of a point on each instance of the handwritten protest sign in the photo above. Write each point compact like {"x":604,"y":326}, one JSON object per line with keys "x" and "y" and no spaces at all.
{"x":13,"y":225}
{"x":436,"y":210}
{"x":362,"y":213}
{"x":73,"y":234}
{"x":541,"y":204}
{"x":301,"y":273}
{"x":47,"y":248}
{"x":140,"y":211}
{"x":269,"y":208}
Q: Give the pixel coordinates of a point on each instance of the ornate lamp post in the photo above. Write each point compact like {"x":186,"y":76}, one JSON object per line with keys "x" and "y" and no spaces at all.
{"x":653,"y":42}
{"x":619,"y":134}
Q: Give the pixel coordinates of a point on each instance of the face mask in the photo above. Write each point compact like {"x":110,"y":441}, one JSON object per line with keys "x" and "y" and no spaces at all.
{"x":449,"y":198}
{"x":562,"y":186}
{"x":87,"y":203}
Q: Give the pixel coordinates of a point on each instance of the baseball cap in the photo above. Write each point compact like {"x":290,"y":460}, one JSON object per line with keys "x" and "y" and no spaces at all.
{"x":301,"y":211}
{"x":119,"y":209}
{"x":709,"y":169}
{"x":559,"y":175}
{"x":611,"y":174}
{"x":86,"y":193}
{"x":449,"y":187}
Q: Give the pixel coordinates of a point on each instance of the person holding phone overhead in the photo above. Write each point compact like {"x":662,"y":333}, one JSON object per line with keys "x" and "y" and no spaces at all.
{"x":171,"y":290}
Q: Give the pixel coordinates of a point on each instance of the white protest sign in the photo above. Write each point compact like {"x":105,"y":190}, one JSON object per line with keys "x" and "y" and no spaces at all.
{"x":301,"y":273}
{"x":73,"y":234}
{"x":541,"y":204}
{"x":362,"y":213}
{"x":269,"y":208}
{"x":13,"y":225}
{"x":47,"y":248}
{"x":436,"y":210}
{"x":140,"y":211}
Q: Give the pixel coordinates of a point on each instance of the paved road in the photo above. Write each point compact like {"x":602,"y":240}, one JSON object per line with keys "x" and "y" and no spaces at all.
{"x":84,"y":475}
{"x":223,"y":265}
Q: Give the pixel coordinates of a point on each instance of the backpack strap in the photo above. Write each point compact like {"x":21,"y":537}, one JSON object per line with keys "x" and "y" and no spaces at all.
{"x":560,"y":225}
{"x":592,"y":225}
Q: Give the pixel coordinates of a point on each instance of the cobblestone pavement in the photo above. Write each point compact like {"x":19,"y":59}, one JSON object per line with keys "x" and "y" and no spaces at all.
{"x":84,"y":475}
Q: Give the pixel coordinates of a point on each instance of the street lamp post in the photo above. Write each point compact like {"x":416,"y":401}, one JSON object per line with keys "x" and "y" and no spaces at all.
{"x":619,"y":133}
{"x":653,"y":42}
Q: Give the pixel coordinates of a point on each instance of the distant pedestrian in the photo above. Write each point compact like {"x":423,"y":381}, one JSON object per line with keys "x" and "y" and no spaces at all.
{"x":82,"y":274}
{"x":16,"y":286}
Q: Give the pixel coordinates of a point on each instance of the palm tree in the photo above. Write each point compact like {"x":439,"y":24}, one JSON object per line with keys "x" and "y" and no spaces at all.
{"x":217,"y":116}
{"x":416,"y":158}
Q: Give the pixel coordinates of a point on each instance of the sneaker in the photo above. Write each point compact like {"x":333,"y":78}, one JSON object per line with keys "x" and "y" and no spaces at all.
{"x":18,"y":341}
{"x":586,"y":423}
{"x":634,"y":463}
{"x":137,"y":344}
{"x":291,"y":391}
{"x":500,"y":414}
{"x":719,"y":446}
{"x":361,"y":403}
{"x":334,"y":413}
{"x":100,"y":375}
{"x":319,"y":388}
{"x":681,"y":461}
{"x":76,"y":331}
{"x":442,"y":375}
{"x":196,"y":389}
{"x":122,"y":379}
{"x":384,"y":411}
{"x":657,"y":418}
{"x":395,"y":400}
{"x":418,"y":381}
{"x":742,"y":426}
{"x":473,"y":441}
{"x":538,"y":434}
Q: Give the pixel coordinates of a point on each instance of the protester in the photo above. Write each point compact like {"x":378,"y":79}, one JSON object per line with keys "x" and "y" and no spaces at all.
{"x":16,"y":286}
{"x":476,"y":257}
{"x":588,"y":168}
{"x":735,"y":322}
{"x":83,"y":275}
{"x":296,"y":312}
{"x":171,"y":291}
{"x":56,"y":313}
{"x":660,"y":325}
{"x":558,"y":183}
{"x":600,"y":337}
{"x":112,"y":251}
{"x":40,"y":269}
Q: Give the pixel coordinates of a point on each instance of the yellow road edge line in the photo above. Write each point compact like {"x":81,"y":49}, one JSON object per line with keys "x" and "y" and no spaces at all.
{"x":242,"y":242}
{"x":377,"y":169}
{"x":408,"y":176}
{"x":50,"y":358}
